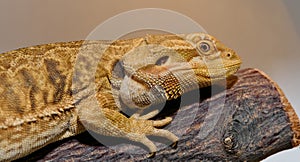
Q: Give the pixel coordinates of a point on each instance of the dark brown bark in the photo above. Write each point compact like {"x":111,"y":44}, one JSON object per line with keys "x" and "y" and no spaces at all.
{"x":249,"y":121}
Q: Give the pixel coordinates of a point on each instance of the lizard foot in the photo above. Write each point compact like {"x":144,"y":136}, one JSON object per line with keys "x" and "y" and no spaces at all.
{"x":135,"y":129}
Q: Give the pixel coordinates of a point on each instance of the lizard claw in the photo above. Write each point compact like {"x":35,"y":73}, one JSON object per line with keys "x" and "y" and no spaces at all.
{"x":151,"y":155}
{"x":174,"y":145}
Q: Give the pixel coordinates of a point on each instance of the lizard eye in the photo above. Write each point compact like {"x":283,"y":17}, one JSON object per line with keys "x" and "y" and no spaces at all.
{"x":204,"y":47}
{"x":162,"y":60}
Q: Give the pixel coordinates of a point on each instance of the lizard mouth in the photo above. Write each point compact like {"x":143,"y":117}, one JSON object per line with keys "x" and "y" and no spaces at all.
{"x":184,"y":75}
{"x":220,"y":72}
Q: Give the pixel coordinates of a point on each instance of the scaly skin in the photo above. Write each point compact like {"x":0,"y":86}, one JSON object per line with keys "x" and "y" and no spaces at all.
{"x":54,"y":91}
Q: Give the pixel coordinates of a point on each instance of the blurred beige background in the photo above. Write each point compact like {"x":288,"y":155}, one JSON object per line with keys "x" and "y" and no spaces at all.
{"x":264,"y":33}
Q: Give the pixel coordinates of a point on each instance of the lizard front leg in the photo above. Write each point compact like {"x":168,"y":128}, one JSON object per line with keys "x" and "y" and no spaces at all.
{"x":113,"y":123}
{"x":106,"y":119}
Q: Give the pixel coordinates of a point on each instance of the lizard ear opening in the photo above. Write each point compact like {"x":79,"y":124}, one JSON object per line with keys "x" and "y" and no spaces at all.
{"x":119,"y":70}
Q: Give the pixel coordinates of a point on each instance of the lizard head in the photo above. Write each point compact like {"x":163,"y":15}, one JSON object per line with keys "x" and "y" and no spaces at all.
{"x":162,"y":67}
{"x":210,"y":59}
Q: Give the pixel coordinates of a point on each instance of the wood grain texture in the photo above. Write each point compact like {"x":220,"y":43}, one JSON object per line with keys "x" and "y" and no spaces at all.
{"x":255,"y":121}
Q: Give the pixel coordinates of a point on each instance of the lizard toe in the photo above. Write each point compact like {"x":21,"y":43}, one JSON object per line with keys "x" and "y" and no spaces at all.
{"x":163,"y":122}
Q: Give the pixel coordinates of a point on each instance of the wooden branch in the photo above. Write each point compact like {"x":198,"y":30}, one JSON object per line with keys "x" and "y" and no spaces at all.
{"x":248,"y":122}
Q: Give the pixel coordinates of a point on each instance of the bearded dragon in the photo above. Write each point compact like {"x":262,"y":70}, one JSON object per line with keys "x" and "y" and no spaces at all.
{"x":54,"y":91}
